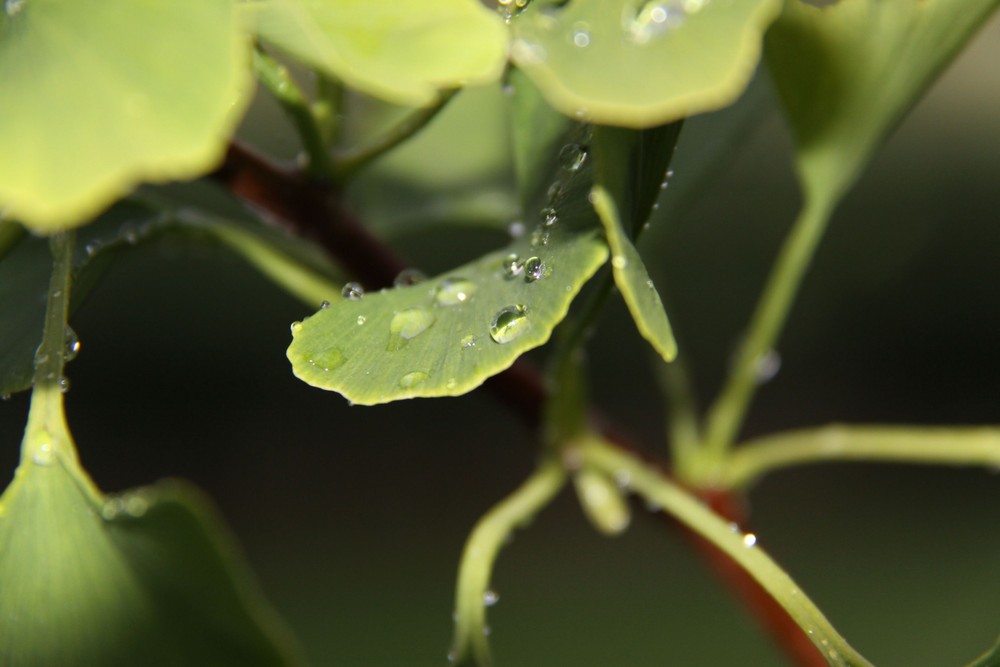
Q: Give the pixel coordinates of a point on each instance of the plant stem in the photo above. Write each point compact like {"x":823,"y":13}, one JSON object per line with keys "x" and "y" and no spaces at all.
{"x":682,"y":427}
{"x":727,"y":538}
{"x":349,"y":163}
{"x":836,"y":442}
{"x":481,"y":549}
{"x":727,"y":412}
{"x":278,"y":80}
{"x":326,"y":108}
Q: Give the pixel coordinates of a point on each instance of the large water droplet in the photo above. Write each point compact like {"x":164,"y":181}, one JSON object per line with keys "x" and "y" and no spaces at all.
{"x":509,"y":323}
{"x":408,"y":277}
{"x":353,"y":291}
{"x":328,"y":359}
{"x":407,"y":325}
{"x":490,"y":597}
{"x":534,"y":269}
{"x":412,"y":379}
{"x":572,"y":157}
{"x":512,"y":266}
{"x":453,"y":291}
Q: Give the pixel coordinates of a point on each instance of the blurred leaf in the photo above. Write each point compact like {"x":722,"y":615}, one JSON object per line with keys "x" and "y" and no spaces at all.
{"x":403,"y":51}
{"x":603,"y":502}
{"x":847,"y":73}
{"x":631,"y":166}
{"x":100,"y":96}
{"x":641,"y":64}
{"x":989,"y":659}
{"x":146,"y":578}
{"x":445,"y":336}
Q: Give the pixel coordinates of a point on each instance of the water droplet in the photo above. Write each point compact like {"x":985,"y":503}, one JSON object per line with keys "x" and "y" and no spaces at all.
{"x":490,"y":597}
{"x":512,"y":266}
{"x":451,"y":383}
{"x":468,"y":342}
{"x":412,"y":379}
{"x":93,"y":248}
{"x":40,"y":358}
{"x":296,"y":328}
{"x":353,"y":291}
{"x":130,"y":233}
{"x":572,"y":157}
{"x":113,"y":506}
{"x":453,"y":291}
{"x":407,"y":325}
{"x":12,"y":7}
{"x":554,"y":192}
{"x":766,"y":366}
{"x":619,"y":261}
{"x":516,"y":229}
{"x":549,"y":216}
{"x":63,"y":384}
{"x":324,"y":305}
{"x":534,"y":269}
{"x":328,"y":359}
{"x":136,"y":505}
{"x":72,"y":344}
{"x":749,"y":540}
{"x":657,"y":18}
{"x":581,"y":37}
{"x":45,"y":454}
{"x":408,"y":277}
{"x":509,"y":323}
{"x":361,"y":320}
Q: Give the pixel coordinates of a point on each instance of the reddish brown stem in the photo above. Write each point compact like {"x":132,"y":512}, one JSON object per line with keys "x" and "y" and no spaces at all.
{"x":310,"y":210}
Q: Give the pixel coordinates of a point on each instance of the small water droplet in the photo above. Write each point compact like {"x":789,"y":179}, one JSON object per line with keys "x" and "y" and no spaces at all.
{"x":324,"y":305}
{"x":539,"y":237}
{"x":93,"y":248}
{"x":509,"y":323}
{"x":554,"y":192}
{"x":72,"y":344}
{"x":581,"y":37}
{"x":490,"y":597}
{"x":353,"y":291}
{"x":328,"y":359}
{"x":656,"y":18}
{"x":516,"y":229}
{"x":130,"y":233}
{"x":451,"y":383}
{"x":135,"y":505}
{"x":534,"y":269}
{"x":549,"y":216}
{"x":113,"y":506}
{"x":512,"y":266}
{"x":468,"y":342}
{"x":453,"y":291}
{"x":412,"y":379}
{"x":45,"y":454}
{"x":408,"y":277}
{"x":63,"y":384}
{"x":361,"y":320}
{"x":619,"y":261}
{"x":407,"y":325}
{"x":749,"y":540}
{"x":572,"y":157}
{"x":767,"y":366}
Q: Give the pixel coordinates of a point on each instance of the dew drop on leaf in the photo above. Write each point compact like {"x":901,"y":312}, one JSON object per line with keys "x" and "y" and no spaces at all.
{"x":512,"y":266}
{"x":45,"y":454}
{"x":412,"y":379}
{"x":468,"y":342}
{"x":324,"y":305}
{"x":549,"y":216}
{"x":353,"y":291}
{"x":407,"y":325}
{"x":453,"y":291}
{"x":572,"y":157}
{"x":408,"y":277}
{"x":72,"y":344}
{"x":329,"y":359}
{"x":509,"y":323}
{"x":534,"y":269}
{"x":296,"y":327}
{"x":490,"y":598}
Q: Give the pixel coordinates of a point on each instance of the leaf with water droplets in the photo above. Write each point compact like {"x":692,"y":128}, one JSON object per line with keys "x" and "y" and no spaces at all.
{"x":403,"y":52}
{"x":100,"y":96}
{"x":445,"y":336}
{"x":847,"y":73}
{"x":641,"y":64}
{"x":141,"y":578}
{"x":630,"y":168}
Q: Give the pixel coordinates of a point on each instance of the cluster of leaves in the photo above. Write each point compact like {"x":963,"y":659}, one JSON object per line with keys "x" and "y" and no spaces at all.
{"x":129,"y":93}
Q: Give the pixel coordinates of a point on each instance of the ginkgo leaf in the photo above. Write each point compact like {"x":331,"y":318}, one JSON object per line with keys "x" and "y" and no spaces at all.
{"x":98,"y":97}
{"x":403,"y":51}
{"x":640,"y":64}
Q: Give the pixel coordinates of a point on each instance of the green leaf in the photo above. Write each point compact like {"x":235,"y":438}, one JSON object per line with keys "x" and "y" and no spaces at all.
{"x":146,"y":578}
{"x":403,"y":51}
{"x":849,"y":71}
{"x":445,"y":336}
{"x":100,"y":96}
{"x":641,"y":64}
{"x":631,"y":166}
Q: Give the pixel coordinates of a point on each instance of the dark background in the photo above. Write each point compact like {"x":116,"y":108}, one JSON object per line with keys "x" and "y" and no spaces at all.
{"x":354,"y":518}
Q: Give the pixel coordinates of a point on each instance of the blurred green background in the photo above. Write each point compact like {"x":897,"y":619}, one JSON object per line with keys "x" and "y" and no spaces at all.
{"x":354,"y":518}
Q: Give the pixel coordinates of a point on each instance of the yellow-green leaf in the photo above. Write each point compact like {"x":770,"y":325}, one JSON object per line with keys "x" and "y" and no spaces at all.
{"x":98,"y":96}
{"x":641,"y":64}
{"x":403,"y":51}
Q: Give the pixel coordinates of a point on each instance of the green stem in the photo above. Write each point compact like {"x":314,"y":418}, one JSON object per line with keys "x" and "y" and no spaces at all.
{"x":349,"y":163}
{"x":899,"y":444}
{"x":726,"y":415}
{"x":481,"y":551}
{"x":278,"y":80}
{"x":682,"y":427}
{"x":326,"y":108}
{"x":743,"y":549}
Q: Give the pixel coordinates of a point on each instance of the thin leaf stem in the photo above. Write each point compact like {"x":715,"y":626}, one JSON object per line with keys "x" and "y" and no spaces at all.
{"x":682,"y":424}
{"x":491,"y":532}
{"x":726,"y":537}
{"x":350,"y":162}
{"x":278,"y":80}
{"x":838,"y":442}
{"x":729,"y":409}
